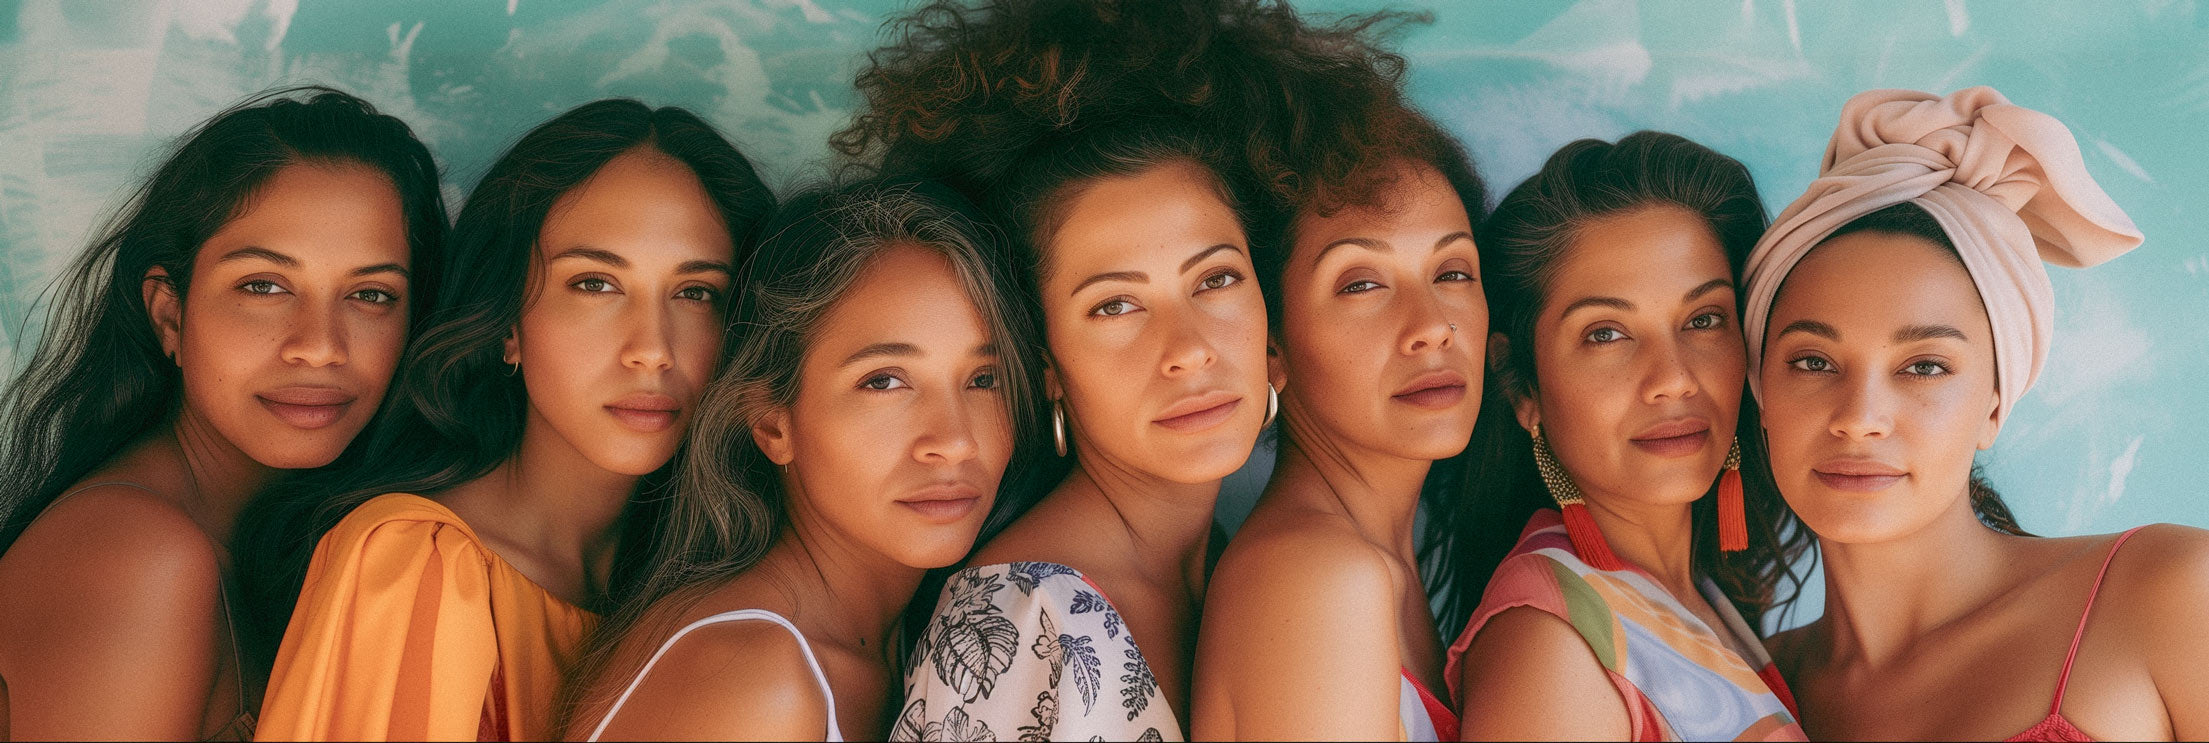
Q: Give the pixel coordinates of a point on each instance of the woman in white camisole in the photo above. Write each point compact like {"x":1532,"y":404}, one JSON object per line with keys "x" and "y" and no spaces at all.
{"x":855,"y":441}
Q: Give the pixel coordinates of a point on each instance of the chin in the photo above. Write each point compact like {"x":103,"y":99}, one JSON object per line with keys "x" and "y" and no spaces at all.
{"x":634,"y":462}
{"x":1208,"y":464}
{"x":295,"y":457}
{"x":937,"y":553}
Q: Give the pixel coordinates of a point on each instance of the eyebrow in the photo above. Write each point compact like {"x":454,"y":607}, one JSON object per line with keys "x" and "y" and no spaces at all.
{"x":1915,"y":333}
{"x":882,"y":350}
{"x":1382,"y":247}
{"x":1131,"y":276}
{"x":249,"y":253}
{"x":585,"y":252}
{"x":703,"y":266}
{"x":265,"y":254}
{"x":1812,"y":327}
{"x":1709,"y":286}
{"x":1194,"y":259}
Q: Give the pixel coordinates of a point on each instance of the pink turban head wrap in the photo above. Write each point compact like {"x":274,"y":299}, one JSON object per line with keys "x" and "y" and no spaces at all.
{"x":2005,"y":182}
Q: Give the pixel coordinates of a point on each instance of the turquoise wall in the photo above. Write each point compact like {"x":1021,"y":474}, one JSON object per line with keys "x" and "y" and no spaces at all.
{"x":90,"y":91}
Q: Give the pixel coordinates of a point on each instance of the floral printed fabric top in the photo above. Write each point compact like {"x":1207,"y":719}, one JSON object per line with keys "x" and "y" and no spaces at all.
{"x":1029,"y":651}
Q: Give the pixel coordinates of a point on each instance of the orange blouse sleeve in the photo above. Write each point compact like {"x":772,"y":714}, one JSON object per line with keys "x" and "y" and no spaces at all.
{"x":392,"y":638}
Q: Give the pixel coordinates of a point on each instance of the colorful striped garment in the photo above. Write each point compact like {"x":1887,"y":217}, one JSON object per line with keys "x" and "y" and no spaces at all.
{"x":1679,"y":680}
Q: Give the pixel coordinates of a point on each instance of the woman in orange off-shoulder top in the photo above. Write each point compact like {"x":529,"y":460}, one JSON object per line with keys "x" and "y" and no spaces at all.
{"x":586,"y":315}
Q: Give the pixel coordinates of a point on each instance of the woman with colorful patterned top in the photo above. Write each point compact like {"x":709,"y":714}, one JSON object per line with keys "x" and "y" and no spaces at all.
{"x":1077,"y":123}
{"x":1619,"y":614}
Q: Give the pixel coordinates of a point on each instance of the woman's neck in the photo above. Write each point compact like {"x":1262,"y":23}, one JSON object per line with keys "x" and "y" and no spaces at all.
{"x":1657,"y":537}
{"x":1377,"y":492}
{"x":1882,"y":597}
{"x":553,"y":504}
{"x":838,"y":589}
{"x":1164,"y":525}
{"x":219,"y":476}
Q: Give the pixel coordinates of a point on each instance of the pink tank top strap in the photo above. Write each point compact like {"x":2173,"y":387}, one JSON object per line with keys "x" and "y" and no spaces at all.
{"x":2063,"y":681}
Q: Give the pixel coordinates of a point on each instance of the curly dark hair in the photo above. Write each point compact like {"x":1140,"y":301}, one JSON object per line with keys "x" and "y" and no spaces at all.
{"x":1013,"y":101}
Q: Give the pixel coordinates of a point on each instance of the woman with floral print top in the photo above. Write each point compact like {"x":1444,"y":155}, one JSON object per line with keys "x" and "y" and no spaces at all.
{"x":1079,"y":619}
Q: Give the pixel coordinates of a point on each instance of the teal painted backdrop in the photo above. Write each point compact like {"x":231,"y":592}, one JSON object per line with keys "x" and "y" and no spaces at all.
{"x":2113,"y":436}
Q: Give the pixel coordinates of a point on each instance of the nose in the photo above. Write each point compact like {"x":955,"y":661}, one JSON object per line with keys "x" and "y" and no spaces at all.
{"x":1187,"y":350}
{"x":947,"y":437}
{"x":1426,"y":326}
{"x":316,"y":336}
{"x":649,"y":344}
{"x":1665,"y":374}
{"x":1862,"y":412}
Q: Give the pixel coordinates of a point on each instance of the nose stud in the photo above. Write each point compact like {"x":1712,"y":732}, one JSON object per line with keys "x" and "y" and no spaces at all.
{"x":1453,"y":327}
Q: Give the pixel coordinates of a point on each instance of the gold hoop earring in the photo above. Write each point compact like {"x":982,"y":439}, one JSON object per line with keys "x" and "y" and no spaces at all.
{"x":1058,"y":426}
{"x":1273,"y":405}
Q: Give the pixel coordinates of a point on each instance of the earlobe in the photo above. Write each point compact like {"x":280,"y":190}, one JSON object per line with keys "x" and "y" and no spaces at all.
{"x":511,"y":351}
{"x":1991,"y":427}
{"x":772,"y":434}
{"x":164,"y":309}
{"x":1523,"y":407}
{"x":1051,"y":388}
{"x":1277,"y":372}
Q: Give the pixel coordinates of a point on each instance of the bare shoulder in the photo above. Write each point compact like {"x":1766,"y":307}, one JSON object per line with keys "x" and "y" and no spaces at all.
{"x":732,"y":680}
{"x":2161,"y":576}
{"x":1315,"y":557}
{"x":113,"y":546}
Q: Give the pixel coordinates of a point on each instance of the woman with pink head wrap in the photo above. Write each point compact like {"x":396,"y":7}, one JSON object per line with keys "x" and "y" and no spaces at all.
{"x":1895,"y":314}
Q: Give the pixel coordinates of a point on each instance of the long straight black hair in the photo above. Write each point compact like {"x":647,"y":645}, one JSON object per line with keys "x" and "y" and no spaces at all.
{"x":456,"y":413}
{"x":1488,"y":492}
{"x":99,"y":380}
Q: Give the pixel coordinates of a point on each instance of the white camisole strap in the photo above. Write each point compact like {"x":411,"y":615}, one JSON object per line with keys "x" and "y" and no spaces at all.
{"x":834,"y":734}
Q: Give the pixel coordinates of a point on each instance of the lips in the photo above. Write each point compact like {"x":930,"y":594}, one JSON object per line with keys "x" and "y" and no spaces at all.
{"x":1433,"y":390}
{"x":307,"y":407}
{"x":1858,"y":475}
{"x":645,"y":412}
{"x":943,"y":503}
{"x":1200,"y":411}
{"x":1674,"y":438}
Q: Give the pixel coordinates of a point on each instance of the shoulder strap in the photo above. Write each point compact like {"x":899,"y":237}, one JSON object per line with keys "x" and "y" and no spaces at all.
{"x":2064,"y":681}
{"x":730,"y":616}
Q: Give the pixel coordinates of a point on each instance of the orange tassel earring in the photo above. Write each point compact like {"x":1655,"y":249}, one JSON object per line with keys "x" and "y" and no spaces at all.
{"x":1587,"y":539}
{"x":1733,"y":522}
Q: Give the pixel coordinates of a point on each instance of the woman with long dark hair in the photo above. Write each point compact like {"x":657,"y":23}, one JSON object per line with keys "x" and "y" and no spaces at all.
{"x":458,"y":562}
{"x":240,"y":318}
{"x":858,"y":439}
{"x":1317,"y":622}
{"x":1606,"y":564}
{"x":1900,"y":310}
{"x":1079,"y":124}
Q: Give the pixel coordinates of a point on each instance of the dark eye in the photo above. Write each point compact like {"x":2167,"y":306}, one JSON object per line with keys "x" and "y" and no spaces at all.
{"x":262,"y":286}
{"x":594,"y":285}
{"x":1114,"y":308}
{"x":377,"y":296}
{"x":1454,"y":276}
{"x":1219,"y":280}
{"x":698,"y":294}
{"x":1812,"y":364}
{"x":985,"y":381}
{"x":1707,"y":321}
{"x":1605,"y":335}
{"x":1359,"y":286}
{"x":1925,"y":368}
{"x":882,"y":382}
